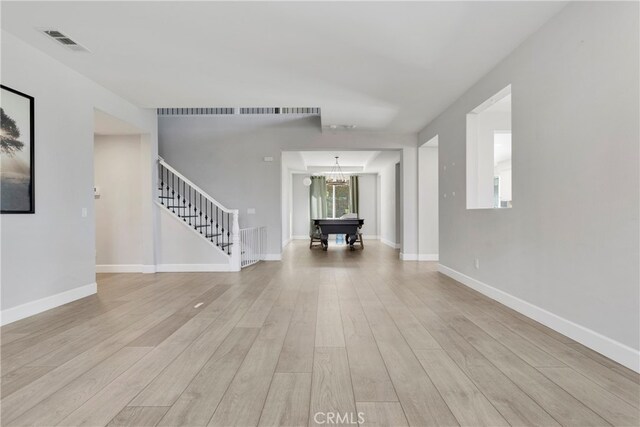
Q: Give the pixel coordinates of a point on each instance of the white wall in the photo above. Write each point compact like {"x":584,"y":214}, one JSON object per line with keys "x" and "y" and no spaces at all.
{"x":118,"y":208}
{"x":428,"y":203}
{"x":224,"y":156}
{"x":503,"y":170}
{"x":48,"y":258}
{"x":567,"y":252}
{"x":184,"y":249}
{"x":388,"y":205}
{"x":480,"y":156}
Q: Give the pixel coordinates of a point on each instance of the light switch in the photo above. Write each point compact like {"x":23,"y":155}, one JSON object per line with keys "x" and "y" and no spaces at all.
{"x":84,"y":212}
{"x":251,"y":211}
{"x":268,"y":159}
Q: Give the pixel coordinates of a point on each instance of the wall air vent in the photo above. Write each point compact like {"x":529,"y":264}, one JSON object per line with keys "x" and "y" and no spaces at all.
{"x":309,"y":111}
{"x":64,"y":40}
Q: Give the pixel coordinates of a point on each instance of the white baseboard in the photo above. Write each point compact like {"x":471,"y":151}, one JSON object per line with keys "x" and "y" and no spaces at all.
{"x":300,"y":237}
{"x":285,"y":243}
{"x":418,"y":257}
{"x":614,"y":350}
{"x":125,"y":268}
{"x":191,"y":268}
{"x":390,"y":243}
{"x":273,"y":257}
{"x":13,"y":314}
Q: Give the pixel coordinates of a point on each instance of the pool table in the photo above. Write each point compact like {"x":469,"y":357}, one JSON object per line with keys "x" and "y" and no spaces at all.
{"x":349,"y":227}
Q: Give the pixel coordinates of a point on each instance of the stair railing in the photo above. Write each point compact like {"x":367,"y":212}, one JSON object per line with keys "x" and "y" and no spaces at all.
{"x":253,"y":242}
{"x":208,"y":217}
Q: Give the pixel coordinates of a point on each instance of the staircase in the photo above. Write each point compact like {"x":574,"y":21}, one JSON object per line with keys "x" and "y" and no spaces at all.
{"x":199,"y":211}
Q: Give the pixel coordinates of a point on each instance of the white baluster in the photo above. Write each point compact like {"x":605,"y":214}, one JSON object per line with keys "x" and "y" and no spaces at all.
{"x":236,"y":250}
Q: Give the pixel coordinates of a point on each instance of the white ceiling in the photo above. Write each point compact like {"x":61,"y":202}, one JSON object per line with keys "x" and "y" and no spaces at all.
{"x":350,"y":161}
{"x":389,"y":66}
{"x":345,"y":158}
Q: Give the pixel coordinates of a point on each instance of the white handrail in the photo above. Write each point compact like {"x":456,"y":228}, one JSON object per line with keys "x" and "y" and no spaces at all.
{"x":195,"y":187}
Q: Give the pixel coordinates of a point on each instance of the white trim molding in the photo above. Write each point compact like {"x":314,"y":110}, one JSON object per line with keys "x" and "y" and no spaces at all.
{"x":300,"y":237}
{"x":418,"y":257}
{"x":390,"y":243}
{"x":273,"y":257}
{"x":13,"y":314}
{"x":125,"y":268}
{"x":612,"y":349}
{"x":192,"y":268}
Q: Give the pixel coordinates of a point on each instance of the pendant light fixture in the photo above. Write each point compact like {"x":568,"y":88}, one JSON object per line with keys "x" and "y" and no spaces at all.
{"x":336,"y":177}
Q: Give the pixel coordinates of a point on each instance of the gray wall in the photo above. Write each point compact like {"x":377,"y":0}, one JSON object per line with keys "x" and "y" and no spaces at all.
{"x":570,"y":243}
{"x":53,"y":251}
{"x":428,"y":203}
{"x":388,"y":207}
{"x":398,"y":205}
{"x":224,"y":156}
{"x":367,"y":184}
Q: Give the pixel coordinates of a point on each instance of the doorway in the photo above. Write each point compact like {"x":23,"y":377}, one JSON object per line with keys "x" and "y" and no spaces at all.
{"x":120,"y":159}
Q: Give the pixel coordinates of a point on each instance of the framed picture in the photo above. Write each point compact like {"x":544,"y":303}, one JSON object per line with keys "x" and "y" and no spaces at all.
{"x":16,"y":152}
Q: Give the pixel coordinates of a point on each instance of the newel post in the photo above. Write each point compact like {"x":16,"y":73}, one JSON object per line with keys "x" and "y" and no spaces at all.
{"x":236,"y":251}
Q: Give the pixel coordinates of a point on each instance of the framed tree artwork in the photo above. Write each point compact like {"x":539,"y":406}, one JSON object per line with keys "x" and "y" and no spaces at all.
{"x":16,"y":152}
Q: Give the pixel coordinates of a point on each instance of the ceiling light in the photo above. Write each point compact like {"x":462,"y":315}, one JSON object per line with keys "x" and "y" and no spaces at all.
{"x":336,"y":177}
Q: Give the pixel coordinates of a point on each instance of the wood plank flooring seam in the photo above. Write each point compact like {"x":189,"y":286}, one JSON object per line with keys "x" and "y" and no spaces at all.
{"x":412,"y":350}
{"x":493,"y":366}
{"x":232,"y":381}
{"x":403,"y":338}
{"x":213,"y":319}
{"x":350,"y":277}
{"x":519,"y":386}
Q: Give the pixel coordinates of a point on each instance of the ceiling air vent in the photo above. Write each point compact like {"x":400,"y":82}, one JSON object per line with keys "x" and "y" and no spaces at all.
{"x":64,"y":40}
{"x":314,"y":111}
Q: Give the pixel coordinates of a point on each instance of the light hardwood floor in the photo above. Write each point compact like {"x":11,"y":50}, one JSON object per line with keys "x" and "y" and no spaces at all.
{"x":332,"y":338}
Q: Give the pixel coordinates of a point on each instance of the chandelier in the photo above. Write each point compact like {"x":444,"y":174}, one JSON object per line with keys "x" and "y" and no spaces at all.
{"x":336,"y":177}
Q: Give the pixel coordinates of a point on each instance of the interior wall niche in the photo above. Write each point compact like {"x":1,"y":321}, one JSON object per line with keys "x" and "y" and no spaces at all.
{"x":489,"y":153}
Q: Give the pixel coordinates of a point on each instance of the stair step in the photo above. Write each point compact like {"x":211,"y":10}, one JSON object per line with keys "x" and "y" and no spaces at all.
{"x":224,"y":245}
{"x":166,"y":197}
{"x":188,"y":216}
{"x":177,"y":206}
{"x":213,"y":235}
{"x":201,"y":226}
